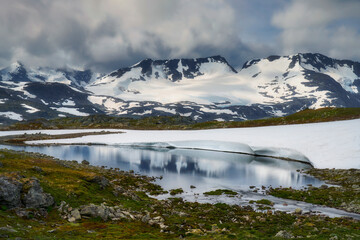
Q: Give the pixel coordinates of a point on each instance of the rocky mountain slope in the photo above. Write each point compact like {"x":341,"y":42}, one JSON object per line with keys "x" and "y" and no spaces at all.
{"x":203,"y":88}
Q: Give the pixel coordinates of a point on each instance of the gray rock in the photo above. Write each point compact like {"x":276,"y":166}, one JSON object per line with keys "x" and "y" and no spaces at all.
{"x":10,"y":192}
{"x":75,"y":214}
{"x":37,"y":169}
{"x":63,"y":206}
{"x":8,"y":229}
{"x":1,"y":165}
{"x":35,"y":197}
{"x":103,"y":212}
{"x":284,"y":234}
{"x":95,"y":211}
{"x":85,"y":162}
{"x":102,"y":181}
{"x":89,"y":210}
{"x":324,"y":186}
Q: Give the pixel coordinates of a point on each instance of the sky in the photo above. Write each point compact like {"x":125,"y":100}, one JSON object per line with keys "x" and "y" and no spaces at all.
{"x":104,"y":35}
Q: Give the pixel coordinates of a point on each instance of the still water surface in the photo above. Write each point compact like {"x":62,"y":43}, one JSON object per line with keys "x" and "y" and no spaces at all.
{"x":183,"y":167}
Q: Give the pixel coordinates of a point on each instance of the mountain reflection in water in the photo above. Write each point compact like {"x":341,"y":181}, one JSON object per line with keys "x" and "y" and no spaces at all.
{"x":184,"y":167}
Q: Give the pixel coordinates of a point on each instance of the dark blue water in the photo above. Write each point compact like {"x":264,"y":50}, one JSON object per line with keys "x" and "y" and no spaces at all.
{"x":182,"y":168}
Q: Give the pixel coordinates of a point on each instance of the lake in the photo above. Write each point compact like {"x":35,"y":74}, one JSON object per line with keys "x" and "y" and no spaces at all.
{"x":184,"y":167}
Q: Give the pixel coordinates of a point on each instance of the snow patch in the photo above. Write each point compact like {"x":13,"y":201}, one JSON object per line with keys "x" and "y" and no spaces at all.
{"x":30,"y":108}
{"x":68,"y":102}
{"x":12,"y":115}
{"x":173,"y":111}
{"x":73,"y":111}
{"x":327,"y":145}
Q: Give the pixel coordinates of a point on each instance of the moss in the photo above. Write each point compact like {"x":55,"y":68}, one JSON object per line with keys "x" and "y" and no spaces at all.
{"x":263,"y":202}
{"x":176,"y":191}
{"x":221,"y":191}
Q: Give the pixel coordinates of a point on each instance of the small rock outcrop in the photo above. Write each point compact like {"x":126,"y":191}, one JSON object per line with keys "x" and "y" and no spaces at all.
{"x":284,"y":234}
{"x":102,"y":181}
{"x":14,"y":194}
{"x":35,"y":196}
{"x":10,"y":192}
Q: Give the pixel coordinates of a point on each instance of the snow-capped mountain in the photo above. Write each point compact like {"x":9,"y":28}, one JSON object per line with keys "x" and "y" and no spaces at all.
{"x":203,"y":88}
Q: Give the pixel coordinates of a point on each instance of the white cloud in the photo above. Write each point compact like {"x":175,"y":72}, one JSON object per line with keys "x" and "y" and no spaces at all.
{"x":327,"y":26}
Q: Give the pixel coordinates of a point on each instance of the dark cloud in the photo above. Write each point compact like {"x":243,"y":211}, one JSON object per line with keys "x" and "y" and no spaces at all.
{"x":108,"y":34}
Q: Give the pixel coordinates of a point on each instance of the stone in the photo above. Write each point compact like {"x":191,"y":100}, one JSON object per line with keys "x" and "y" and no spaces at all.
{"x":324,"y":186}
{"x":37,"y":169}
{"x":10,"y":192}
{"x":146,"y":218}
{"x":298,"y":211}
{"x":89,"y":210}
{"x":103,"y":212}
{"x":75,"y":214}
{"x":85,"y":162}
{"x":102,"y":181}
{"x":8,"y":229}
{"x":195,"y":231}
{"x":35,"y":197}
{"x":284,"y":234}
{"x":63,"y":206}
{"x":1,"y":164}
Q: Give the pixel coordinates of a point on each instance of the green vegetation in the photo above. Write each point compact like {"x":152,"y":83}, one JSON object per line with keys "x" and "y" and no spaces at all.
{"x":81,"y":184}
{"x":178,"y":122}
{"x":221,"y":191}
{"x":346,"y":196}
{"x":263,"y":202}
{"x":176,"y":191}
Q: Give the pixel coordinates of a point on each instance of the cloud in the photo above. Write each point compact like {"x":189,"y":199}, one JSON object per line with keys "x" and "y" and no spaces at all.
{"x":108,"y":34}
{"x":330,"y":27}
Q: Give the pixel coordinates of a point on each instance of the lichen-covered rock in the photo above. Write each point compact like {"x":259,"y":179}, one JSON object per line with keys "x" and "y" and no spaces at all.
{"x":284,"y":234}
{"x":102,"y":181}
{"x":10,"y":192}
{"x":74,"y":215}
{"x":35,"y":196}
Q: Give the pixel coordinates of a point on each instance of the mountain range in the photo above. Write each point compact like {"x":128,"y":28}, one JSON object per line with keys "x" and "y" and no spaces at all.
{"x":201,"y":88}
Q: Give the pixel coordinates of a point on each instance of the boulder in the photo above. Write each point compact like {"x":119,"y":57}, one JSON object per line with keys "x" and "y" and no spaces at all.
{"x":10,"y":192}
{"x":92,"y":210}
{"x":74,"y":215}
{"x":102,"y":181}
{"x":284,"y":234}
{"x":35,"y":196}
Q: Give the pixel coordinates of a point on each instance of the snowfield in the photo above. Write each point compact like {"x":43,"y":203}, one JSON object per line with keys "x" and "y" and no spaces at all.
{"x":327,"y":145}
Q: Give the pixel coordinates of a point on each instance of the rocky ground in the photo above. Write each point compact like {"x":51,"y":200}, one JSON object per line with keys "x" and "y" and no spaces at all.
{"x":46,"y":198}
